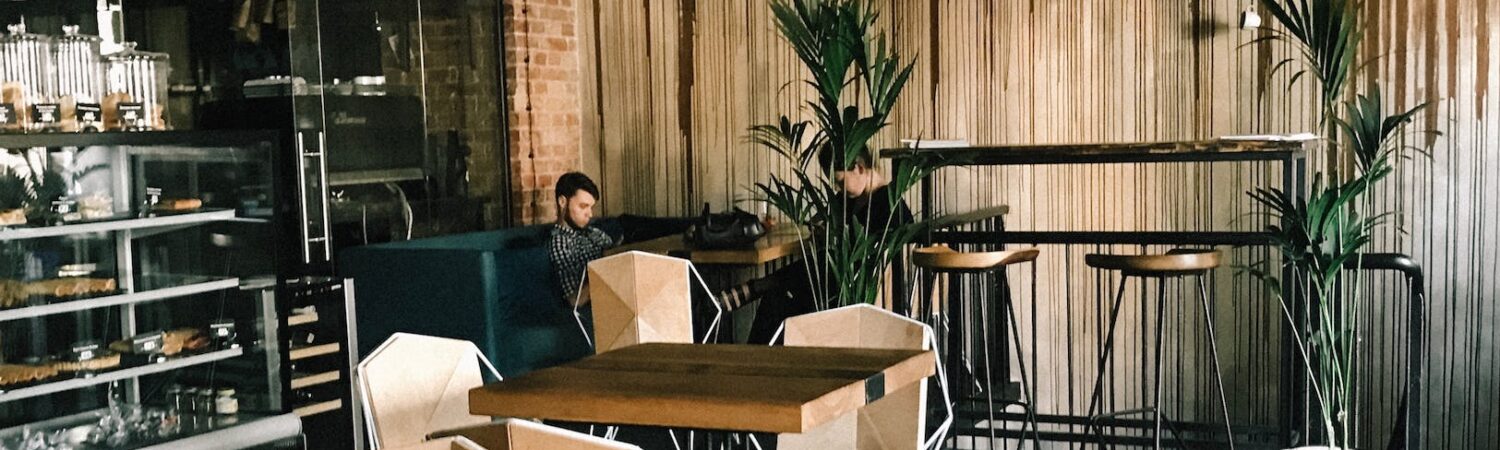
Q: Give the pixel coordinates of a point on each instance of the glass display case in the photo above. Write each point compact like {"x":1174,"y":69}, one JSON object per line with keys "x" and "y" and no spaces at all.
{"x":391,"y":123}
{"x":398,"y":102}
{"x":138,"y":280}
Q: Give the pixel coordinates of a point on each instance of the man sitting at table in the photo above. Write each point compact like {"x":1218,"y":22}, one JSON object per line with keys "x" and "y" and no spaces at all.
{"x":574,"y":243}
{"x":788,"y":291}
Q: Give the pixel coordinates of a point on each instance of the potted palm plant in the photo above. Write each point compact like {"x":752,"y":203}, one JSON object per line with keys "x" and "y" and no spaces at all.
{"x":13,"y":197}
{"x":857,"y":77}
{"x":1333,"y":225}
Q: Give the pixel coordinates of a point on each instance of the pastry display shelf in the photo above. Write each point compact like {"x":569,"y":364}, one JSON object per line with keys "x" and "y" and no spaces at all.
{"x":195,"y":285}
{"x":261,"y":431}
{"x":111,"y":375}
{"x":180,"y":138}
{"x":244,"y":429}
{"x":142,"y":224}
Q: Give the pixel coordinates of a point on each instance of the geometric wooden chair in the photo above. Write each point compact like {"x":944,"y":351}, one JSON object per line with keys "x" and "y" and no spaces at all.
{"x":640,"y":297}
{"x":415,"y":395}
{"x":895,"y":421}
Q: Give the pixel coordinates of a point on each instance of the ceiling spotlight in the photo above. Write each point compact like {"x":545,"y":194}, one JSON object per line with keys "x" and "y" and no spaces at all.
{"x":1249,"y":19}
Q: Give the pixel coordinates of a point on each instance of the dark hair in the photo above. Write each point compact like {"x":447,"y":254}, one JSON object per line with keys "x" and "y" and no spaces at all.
{"x":832,"y":159}
{"x":570,"y":183}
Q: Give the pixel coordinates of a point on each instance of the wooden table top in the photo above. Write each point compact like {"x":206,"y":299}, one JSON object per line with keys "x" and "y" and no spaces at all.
{"x":782,"y":243}
{"x":1229,"y":148}
{"x":712,"y":387}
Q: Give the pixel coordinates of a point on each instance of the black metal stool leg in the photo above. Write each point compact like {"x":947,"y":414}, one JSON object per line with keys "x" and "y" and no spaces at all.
{"x":955,"y":329}
{"x":1161,"y":306}
{"x":1213,"y":348}
{"x":1015,"y":332}
{"x":989,"y":367}
{"x":1095,"y":396}
{"x":1157,"y":416}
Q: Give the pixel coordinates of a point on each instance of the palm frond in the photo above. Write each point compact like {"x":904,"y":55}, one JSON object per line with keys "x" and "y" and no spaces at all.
{"x":840,"y":48}
{"x":1328,"y":34}
{"x":13,"y":191}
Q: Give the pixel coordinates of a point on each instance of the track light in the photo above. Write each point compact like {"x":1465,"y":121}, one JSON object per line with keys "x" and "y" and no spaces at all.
{"x":1249,"y":19}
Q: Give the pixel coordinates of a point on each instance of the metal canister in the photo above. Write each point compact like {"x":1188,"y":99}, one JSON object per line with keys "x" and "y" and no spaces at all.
{"x":136,"y":89}
{"x":27,"y":76}
{"x":80,"y":79}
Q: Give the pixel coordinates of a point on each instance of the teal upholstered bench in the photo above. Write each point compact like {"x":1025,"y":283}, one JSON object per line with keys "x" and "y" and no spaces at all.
{"x":495,"y":288}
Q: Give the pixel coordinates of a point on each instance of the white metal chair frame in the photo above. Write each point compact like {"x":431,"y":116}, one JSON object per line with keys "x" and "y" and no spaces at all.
{"x":934,"y":441}
{"x":364,"y":390}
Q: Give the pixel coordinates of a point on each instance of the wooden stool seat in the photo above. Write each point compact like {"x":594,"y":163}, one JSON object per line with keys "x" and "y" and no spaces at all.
{"x":1174,"y":262}
{"x":944,"y":259}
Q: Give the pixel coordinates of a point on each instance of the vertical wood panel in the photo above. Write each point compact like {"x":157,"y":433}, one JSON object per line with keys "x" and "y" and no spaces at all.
{"x":1002,"y":72}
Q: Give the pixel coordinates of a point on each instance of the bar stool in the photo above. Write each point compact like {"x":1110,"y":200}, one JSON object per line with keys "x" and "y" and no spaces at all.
{"x":1173,"y":264}
{"x":945,"y":261}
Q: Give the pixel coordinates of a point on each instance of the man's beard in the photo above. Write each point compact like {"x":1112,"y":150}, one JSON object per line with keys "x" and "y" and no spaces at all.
{"x":568,"y":219}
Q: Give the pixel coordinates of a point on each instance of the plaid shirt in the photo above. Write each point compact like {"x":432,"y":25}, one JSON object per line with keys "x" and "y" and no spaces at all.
{"x":572,"y":249}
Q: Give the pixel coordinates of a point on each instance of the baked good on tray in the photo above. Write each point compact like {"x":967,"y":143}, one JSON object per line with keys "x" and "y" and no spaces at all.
{"x":12,"y":293}
{"x":71,"y":286}
{"x":108,"y":361}
{"x":15,"y":293}
{"x":172,"y":342}
{"x":13,"y":374}
{"x":176,"y":341}
{"x":13,"y":217}
{"x":178,"y":204}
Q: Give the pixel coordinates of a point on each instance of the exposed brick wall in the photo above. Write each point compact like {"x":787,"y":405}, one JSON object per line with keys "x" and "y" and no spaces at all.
{"x":461,"y":69}
{"x":541,"y":81}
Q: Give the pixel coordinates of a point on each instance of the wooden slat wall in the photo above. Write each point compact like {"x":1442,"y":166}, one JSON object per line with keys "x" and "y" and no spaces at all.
{"x":675,"y":84}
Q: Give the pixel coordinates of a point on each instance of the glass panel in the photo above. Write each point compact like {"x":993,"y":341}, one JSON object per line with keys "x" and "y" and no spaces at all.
{"x":315,"y":233}
{"x":462,"y":66}
{"x":406,"y":92}
{"x":166,"y":232}
{"x":35,"y":272}
{"x":414,"y":140}
{"x":206,"y":179}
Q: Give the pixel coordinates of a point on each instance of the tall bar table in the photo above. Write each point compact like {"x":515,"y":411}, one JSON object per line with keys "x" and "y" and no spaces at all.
{"x":1290,"y":152}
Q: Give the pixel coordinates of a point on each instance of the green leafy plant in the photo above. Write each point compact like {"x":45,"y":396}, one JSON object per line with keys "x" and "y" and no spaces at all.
{"x":1318,"y":235}
{"x":46,"y":187}
{"x":1327,"y":33}
{"x":838,"y":45}
{"x":13,"y":191}
{"x":34,"y":192}
{"x":1368,"y":129}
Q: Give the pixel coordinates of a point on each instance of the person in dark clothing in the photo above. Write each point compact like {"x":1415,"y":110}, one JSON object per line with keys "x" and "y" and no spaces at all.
{"x":788,"y":292}
{"x":573,"y":242}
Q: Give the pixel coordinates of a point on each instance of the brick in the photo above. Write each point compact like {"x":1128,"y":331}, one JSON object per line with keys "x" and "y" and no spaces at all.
{"x":542,"y":123}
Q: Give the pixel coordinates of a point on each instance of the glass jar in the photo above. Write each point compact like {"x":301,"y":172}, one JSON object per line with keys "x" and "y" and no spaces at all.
{"x":226,"y":404}
{"x":204,"y":400}
{"x":27,"y":81}
{"x":176,"y":401}
{"x":136,"y":89}
{"x":80,"y":80}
